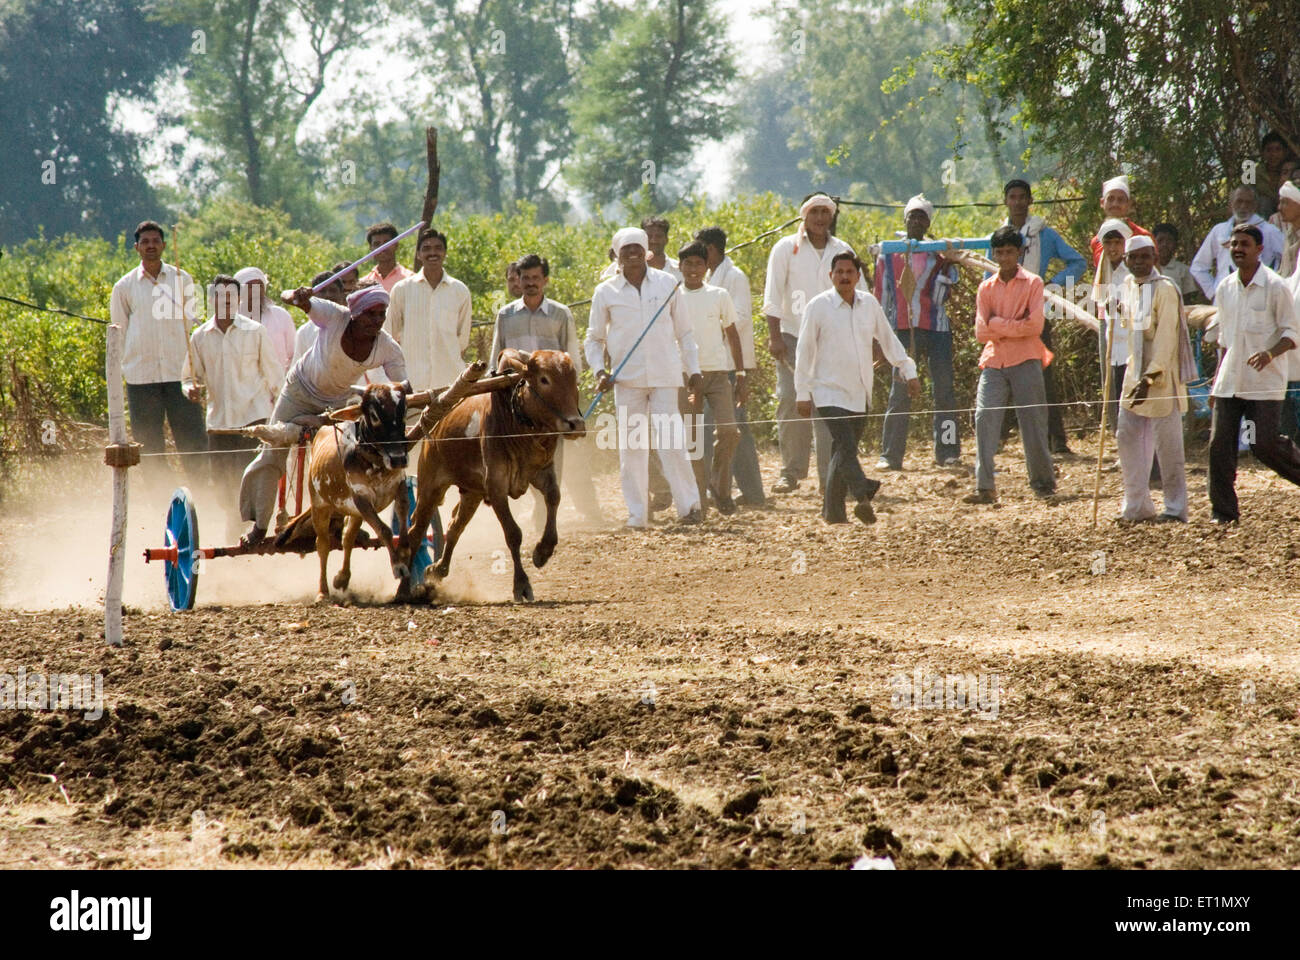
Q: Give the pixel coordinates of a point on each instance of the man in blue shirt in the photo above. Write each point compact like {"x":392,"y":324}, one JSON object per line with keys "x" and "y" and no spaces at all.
{"x":1041,"y":246}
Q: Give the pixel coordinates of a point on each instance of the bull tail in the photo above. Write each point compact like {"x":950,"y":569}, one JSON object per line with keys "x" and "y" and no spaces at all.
{"x":297,"y":527}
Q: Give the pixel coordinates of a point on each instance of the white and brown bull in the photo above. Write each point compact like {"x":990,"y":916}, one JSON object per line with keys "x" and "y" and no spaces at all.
{"x":357,"y":469}
{"x":492,"y":447}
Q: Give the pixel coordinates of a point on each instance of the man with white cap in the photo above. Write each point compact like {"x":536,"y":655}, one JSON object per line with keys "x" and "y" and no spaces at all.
{"x":351,"y":340}
{"x":1117,"y":204}
{"x":254,"y":305}
{"x":1255,"y":324}
{"x":912,"y":288}
{"x":1153,"y":396}
{"x":1107,"y":287}
{"x":645,"y":393}
{"x":798,"y":268}
{"x":1214,"y":260}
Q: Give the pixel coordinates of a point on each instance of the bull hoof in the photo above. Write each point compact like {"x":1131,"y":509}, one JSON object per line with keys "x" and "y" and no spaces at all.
{"x":524,"y":592}
{"x":440,"y":571}
{"x":542,"y":552}
{"x":401,"y":571}
{"x":322,"y":599}
{"x":341,"y":581}
{"x":404,"y":593}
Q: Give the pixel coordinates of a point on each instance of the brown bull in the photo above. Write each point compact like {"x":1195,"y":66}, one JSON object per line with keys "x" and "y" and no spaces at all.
{"x":493,"y":447}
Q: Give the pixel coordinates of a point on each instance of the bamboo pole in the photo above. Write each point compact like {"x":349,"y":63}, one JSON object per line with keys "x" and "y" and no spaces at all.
{"x":1105,"y":392}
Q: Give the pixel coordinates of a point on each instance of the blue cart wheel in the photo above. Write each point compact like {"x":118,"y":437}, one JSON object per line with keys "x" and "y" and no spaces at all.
{"x":426,"y":552}
{"x":182,"y":532}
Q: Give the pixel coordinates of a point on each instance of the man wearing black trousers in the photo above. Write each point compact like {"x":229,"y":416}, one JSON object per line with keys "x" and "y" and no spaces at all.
{"x":834,"y":371}
{"x":1256,"y":322}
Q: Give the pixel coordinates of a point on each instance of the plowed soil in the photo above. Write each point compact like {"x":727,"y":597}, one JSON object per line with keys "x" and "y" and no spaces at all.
{"x":721,"y":696}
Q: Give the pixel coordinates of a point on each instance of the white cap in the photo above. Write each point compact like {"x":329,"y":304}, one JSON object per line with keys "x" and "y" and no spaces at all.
{"x":1289,"y":191}
{"x":1138,"y":241}
{"x":1114,"y":224}
{"x":629,"y":235}
{"x":1116,"y":183}
{"x":919,"y":202}
{"x":816,"y":200}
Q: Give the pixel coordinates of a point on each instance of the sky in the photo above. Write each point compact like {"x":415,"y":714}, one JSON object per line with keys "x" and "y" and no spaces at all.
{"x":749,"y":32}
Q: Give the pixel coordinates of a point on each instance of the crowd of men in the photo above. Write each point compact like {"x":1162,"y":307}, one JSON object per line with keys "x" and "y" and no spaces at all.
{"x":673,"y":339}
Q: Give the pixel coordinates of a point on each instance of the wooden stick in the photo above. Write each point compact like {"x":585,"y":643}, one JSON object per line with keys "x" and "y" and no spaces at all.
{"x":1105,"y":399}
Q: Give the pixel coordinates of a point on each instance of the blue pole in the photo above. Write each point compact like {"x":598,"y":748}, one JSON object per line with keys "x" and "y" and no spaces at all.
{"x":632,"y":349}
{"x":933,"y":246}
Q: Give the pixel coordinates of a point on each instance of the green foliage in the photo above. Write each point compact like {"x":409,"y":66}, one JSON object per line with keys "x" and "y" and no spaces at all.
{"x":251,"y":87}
{"x":504,"y":68}
{"x":67,"y":167}
{"x":649,"y":95}
{"x":1176,"y":93}
{"x":885,"y":131}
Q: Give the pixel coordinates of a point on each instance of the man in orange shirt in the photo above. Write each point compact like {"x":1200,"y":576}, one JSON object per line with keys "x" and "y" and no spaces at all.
{"x":387,"y":270}
{"x":1117,"y":204}
{"x":1009,"y":322}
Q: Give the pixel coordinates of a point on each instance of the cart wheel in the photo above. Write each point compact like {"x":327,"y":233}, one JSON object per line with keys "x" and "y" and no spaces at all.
{"x":182,"y":532}
{"x":426,"y":553}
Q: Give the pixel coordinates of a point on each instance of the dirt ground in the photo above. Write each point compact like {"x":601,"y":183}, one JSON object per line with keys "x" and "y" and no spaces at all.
{"x":723,"y":696}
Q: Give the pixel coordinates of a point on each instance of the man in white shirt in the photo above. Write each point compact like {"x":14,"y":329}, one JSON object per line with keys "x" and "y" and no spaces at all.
{"x":154,"y":304}
{"x":834,"y":372}
{"x":430,"y":317}
{"x":1214,"y":260}
{"x":1154,"y":390}
{"x":645,"y":393}
{"x":233,"y":358}
{"x":1255,"y":323}
{"x":254,"y":304}
{"x":536,"y":322}
{"x":387,"y":271}
{"x":798,"y":268}
{"x":713,"y":320}
{"x":1107,"y":300}
{"x":656,"y":234}
{"x":723,"y":273}
{"x":351,"y":341}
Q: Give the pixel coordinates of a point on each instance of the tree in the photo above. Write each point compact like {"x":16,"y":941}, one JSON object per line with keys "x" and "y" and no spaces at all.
{"x":886,"y":130}
{"x":649,"y":96}
{"x":1177,"y":93}
{"x":503,"y":70}
{"x":63,"y":66}
{"x":251,"y":87}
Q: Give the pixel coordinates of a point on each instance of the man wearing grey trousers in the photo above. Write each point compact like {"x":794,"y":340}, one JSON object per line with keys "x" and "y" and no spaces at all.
{"x":798,"y":268}
{"x":1009,"y":322}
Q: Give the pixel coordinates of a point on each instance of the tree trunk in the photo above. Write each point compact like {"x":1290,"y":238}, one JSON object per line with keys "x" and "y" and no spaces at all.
{"x":252,"y":148}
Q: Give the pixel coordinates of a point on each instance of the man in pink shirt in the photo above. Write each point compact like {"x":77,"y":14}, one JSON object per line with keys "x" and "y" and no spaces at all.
{"x":387,"y":270}
{"x":1009,"y":322}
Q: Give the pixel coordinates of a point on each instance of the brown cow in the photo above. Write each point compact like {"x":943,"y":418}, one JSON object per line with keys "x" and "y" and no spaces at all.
{"x":357,"y":469}
{"x":493,"y":447}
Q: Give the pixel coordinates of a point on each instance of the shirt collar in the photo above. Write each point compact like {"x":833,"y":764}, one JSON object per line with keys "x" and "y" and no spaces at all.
{"x":425,"y":279}
{"x":166,"y":268}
